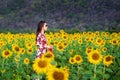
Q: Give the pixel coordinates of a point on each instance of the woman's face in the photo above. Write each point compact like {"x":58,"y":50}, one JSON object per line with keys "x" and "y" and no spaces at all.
{"x":45,"y":26}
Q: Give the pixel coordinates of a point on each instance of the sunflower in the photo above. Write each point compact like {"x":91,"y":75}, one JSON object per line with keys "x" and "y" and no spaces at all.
{"x":95,"y":57}
{"x":28,"y":45}
{"x":65,"y":37}
{"x":80,"y":41}
{"x":26,"y":61}
{"x":3,"y":71}
{"x":114,"y":41}
{"x":107,"y":33}
{"x":71,"y":51}
{"x":84,"y":33}
{"x":89,"y":49}
{"x":78,"y":59}
{"x":41,"y":65}
{"x":71,"y":60}
{"x":17,"y":58}
{"x":103,"y":34}
{"x":87,"y":39}
{"x":29,"y":50}
{"x":49,"y":56}
{"x":22,"y":51}
{"x":15,"y":48}
{"x":52,"y":43}
{"x":98,"y":40}
{"x":65,"y":44}
{"x":102,"y":43}
{"x":97,"y":33}
{"x":107,"y":60}
{"x":6,"y":53}
{"x":60,"y":46}
{"x":104,"y":49}
{"x":58,"y":74}
{"x":118,"y":42}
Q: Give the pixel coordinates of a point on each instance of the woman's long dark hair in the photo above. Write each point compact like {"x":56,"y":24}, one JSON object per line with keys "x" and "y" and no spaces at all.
{"x":39,"y":27}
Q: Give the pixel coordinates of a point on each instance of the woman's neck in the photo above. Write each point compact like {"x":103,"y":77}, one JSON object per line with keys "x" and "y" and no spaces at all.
{"x":42,"y":31}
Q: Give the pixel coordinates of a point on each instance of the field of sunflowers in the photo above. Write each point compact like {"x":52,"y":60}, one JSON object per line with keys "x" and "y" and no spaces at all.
{"x":77,"y":56}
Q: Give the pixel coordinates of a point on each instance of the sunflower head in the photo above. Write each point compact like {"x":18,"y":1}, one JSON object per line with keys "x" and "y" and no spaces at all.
{"x":104,"y":49}
{"x":98,"y":40}
{"x":95,"y":57}
{"x":114,"y":41}
{"x":58,"y":74}
{"x":15,"y":48}
{"x":107,"y":60}
{"x":41,"y":65}
{"x":22,"y":50}
{"x":49,"y":56}
{"x":6,"y":53}
{"x":71,"y":60}
{"x":17,"y":58}
{"x":71,"y":51}
{"x":78,"y":59}
{"x":30,"y":50}
{"x":88,"y":51}
{"x":80,"y":41}
{"x":26,"y":61}
{"x":60,"y":47}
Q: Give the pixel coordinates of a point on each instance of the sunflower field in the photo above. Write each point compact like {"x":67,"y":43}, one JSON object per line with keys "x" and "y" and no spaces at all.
{"x":77,"y":56}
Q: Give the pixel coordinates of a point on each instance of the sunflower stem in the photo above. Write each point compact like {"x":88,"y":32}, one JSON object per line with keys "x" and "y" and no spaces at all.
{"x":103,"y":71}
{"x":95,"y":71}
{"x":38,"y":76}
{"x":78,"y":70}
{"x":3,"y":65}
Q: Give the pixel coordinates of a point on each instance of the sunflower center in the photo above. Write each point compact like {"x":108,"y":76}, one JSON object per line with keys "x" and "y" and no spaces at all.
{"x":72,"y":60}
{"x":99,"y":41}
{"x":88,"y":51}
{"x":48,"y":55}
{"x":95,"y":56}
{"x":26,"y":60}
{"x":114,"y":41}
{"x":78,"y":58}
{"x":65,"y":44}
{"x":22,"y":50}
{"x":29,"y":44}
{"x":60,"y":47}
{"x":6,"y":53}
{"x":90,"y":47}
{"x":16,"y":48}
{"x":108,"y":59}
{"x":64,"y":37}
{"x":30,"y":50}
{"x":58,"y":75}
{"x":52,"y":43}
{"x":42,"y":64}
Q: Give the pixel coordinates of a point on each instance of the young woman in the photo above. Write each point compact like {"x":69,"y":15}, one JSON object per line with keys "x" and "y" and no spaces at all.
{"x":41,"y":40}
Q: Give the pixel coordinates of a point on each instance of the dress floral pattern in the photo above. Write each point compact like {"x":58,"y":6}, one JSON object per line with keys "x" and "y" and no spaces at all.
{"x":42,"y":44}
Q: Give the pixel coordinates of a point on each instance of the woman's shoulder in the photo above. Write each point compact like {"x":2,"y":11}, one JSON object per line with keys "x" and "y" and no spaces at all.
{"x":40,"y":34}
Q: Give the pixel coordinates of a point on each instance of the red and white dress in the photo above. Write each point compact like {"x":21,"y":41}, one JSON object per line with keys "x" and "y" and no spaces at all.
{"x":42,"y":44}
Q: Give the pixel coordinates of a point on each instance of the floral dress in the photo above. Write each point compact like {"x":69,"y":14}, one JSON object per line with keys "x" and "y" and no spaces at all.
{"x":42,"y":44}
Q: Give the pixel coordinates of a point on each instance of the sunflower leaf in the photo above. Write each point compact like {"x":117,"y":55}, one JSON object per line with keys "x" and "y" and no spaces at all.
{"x":108,"y":70}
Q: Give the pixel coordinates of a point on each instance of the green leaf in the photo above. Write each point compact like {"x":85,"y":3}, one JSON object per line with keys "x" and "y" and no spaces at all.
{"x":108,"y":70}
{"x":92,"y":78}
{"x":106,"y":76}
{"x":53,"y":62}
{"x":99,"y":72}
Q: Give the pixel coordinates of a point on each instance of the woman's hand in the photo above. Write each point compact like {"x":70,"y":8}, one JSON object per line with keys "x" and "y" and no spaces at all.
{"x":49,"y":47}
